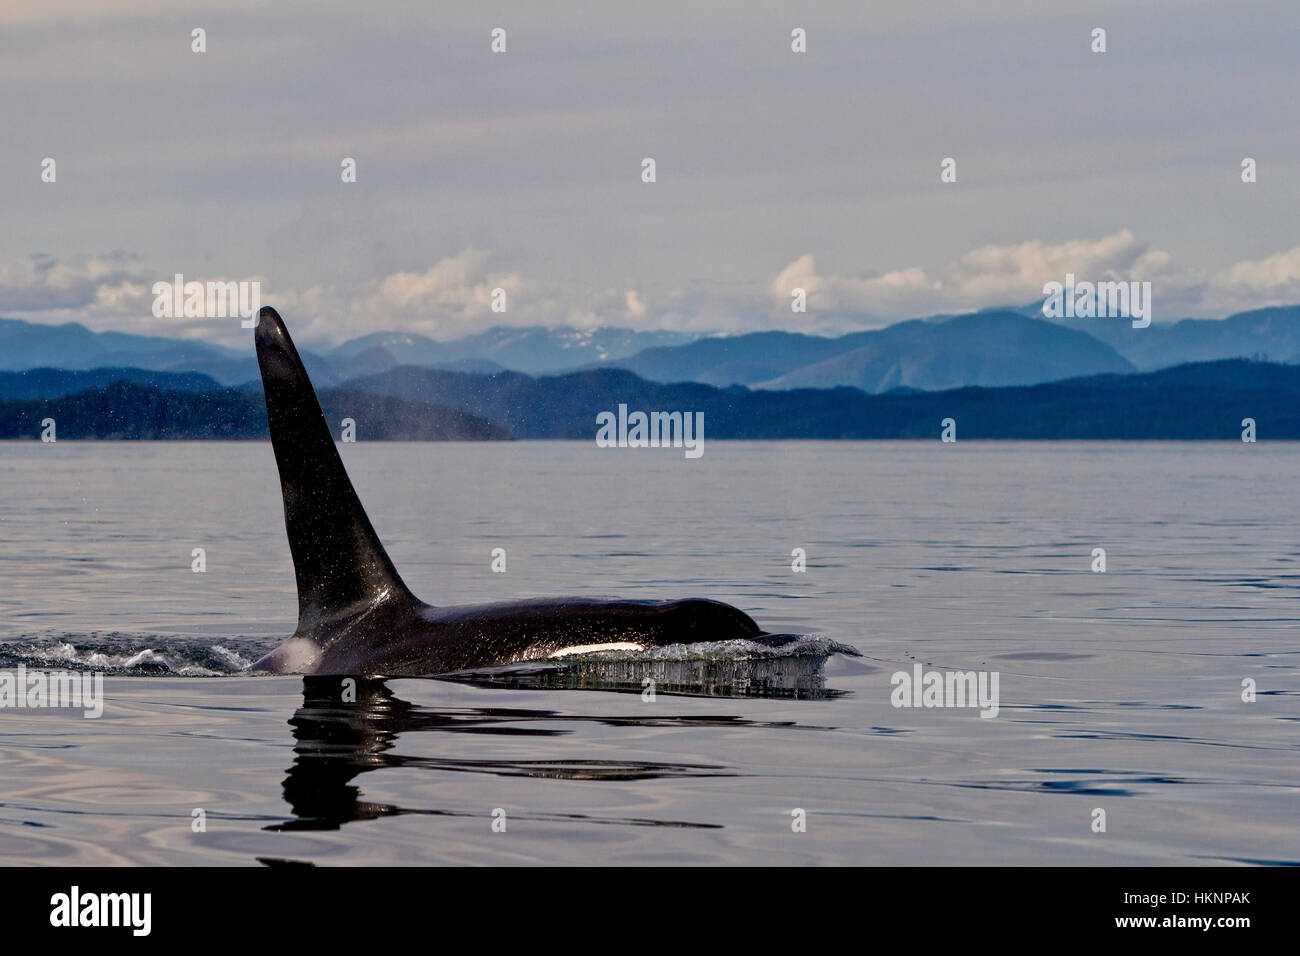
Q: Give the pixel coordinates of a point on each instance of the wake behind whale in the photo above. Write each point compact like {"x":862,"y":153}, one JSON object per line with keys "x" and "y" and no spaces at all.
{"x":357,"y":616}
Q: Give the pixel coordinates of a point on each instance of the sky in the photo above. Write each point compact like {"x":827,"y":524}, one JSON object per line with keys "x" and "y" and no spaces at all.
{"x":522,"y":170}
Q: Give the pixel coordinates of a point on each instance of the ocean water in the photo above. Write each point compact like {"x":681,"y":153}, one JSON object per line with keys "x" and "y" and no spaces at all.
{"x":1119,"y":692}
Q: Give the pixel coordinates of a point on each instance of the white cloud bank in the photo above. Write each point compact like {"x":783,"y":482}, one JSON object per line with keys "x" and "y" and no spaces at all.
{"x":987,"y":276}
{"x":454,"y":295}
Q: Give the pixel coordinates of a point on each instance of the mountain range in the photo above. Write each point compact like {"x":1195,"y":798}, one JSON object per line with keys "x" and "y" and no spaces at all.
{"x":994,"y":347}
{"x":533,"y":349}
{"x":1272,"y":333}
{"x":28,"y":345}
{"x":987,"y":348}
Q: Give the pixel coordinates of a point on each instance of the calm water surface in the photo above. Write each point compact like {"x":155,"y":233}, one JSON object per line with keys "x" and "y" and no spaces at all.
{"x":1120,"y":691}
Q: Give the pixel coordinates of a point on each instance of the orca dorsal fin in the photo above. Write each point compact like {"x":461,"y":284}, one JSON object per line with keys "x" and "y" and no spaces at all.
{"x":340,"y":564}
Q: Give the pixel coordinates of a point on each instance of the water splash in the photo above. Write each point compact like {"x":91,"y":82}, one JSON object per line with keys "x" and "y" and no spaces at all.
{"x":793,"y":668}
{"x":788,"y":666}
{"x":134,"y":654}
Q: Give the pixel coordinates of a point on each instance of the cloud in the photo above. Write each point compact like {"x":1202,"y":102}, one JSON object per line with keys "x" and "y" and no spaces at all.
{"x":108,"y":292}
{"x":989,"y":275}
{"x":869,"y":294}
{"x":993,"y":274}
{"x":453,"y":296}
{"x":1273,"y":280}
{"x":635,"y":307}
{"x":112,"y":292}
{"x":451,"y":291}
{"x":46,"y":283}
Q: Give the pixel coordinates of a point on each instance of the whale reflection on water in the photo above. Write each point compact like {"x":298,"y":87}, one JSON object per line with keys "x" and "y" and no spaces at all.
{"x":349,"y":726}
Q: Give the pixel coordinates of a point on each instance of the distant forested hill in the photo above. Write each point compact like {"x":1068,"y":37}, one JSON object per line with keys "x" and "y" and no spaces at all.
{"x":124,"y":410}
{"x":1199,"y":401}
{"x":53,"y":382}
{"x":1205,"y":401}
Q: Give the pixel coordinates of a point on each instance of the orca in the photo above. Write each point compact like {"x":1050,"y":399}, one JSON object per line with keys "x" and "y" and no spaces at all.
{"x":357,"y":617}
